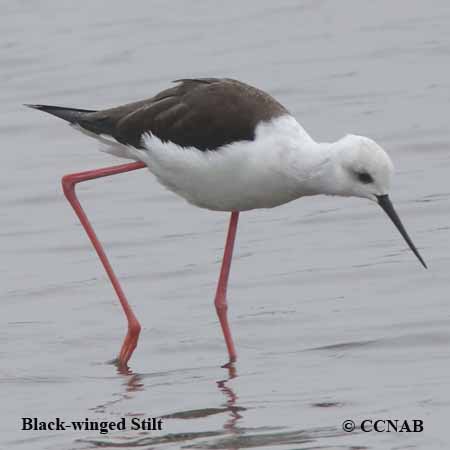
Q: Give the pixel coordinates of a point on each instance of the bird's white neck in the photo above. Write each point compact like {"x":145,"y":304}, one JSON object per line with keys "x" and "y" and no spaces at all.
{"x":315,"y":169}
{"x":309,"y":165}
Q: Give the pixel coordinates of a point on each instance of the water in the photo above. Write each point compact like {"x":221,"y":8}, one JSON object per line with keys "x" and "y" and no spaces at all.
{"x":333,"y":316}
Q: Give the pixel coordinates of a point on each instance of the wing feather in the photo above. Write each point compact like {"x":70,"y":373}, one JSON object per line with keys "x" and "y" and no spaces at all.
{"x":205,"y":113}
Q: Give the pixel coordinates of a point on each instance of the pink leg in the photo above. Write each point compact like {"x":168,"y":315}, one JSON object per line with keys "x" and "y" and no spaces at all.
{"x":221,"y":293}
{"x":68,"y":183}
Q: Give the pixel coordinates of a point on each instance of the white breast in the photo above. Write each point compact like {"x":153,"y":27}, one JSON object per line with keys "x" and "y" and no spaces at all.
{"x":236,"y":177}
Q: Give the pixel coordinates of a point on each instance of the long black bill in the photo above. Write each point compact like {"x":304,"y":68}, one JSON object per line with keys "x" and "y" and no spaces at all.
{"x":385,"y":202}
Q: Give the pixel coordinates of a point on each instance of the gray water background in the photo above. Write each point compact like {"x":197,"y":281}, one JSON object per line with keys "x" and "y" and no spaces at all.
{"x":333,"y":316}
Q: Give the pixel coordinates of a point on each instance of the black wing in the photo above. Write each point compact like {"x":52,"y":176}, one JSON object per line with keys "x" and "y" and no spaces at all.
{"x":205,"y":113}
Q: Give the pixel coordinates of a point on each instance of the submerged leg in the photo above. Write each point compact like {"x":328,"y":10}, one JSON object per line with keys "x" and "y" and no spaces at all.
{"x":221,"y":293}
{"x":68,"y":183}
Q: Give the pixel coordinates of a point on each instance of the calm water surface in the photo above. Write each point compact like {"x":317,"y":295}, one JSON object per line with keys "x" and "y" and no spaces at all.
{"x":333,"y":316}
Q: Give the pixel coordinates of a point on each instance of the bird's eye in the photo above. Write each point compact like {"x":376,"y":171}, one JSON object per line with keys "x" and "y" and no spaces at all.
{"x":364,"y":177}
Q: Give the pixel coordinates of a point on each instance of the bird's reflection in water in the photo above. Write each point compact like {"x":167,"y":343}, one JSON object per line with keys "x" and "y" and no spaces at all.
{"x":231,"y":399}
{"x":232,"y":435}
{"x":229,"y":406}
{"x":233,"y":410}
{"x":135,"y":383}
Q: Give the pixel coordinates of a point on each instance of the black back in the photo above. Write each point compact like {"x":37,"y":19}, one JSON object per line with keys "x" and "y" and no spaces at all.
{"x":205,"y":113}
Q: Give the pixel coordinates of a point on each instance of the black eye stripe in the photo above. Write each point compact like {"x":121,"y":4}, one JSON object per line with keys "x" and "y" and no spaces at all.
{"x":364,"y":177}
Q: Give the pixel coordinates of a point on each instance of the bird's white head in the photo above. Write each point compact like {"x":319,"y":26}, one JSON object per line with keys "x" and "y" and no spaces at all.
{"x":361,"y":168}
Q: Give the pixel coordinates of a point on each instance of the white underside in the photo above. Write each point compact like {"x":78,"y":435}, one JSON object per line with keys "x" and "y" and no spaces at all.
{"x":237,"y":177}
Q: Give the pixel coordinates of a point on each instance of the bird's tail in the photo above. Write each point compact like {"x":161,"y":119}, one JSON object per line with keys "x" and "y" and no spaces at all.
{"x":85,"y":118}
{"x":72,"y":115}
{"x":86,"y":121}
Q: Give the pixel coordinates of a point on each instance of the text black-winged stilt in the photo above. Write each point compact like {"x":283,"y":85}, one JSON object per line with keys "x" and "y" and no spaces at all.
{"x":225,"y":146}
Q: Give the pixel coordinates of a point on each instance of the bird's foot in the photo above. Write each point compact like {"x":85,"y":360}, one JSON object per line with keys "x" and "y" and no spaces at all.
{"x":129,"y":345}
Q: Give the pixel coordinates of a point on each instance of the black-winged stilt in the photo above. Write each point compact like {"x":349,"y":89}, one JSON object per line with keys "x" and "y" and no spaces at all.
{"x":225,"y":146}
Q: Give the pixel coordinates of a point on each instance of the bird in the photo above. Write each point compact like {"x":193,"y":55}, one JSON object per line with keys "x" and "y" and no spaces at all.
{"x":224,"y":145}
